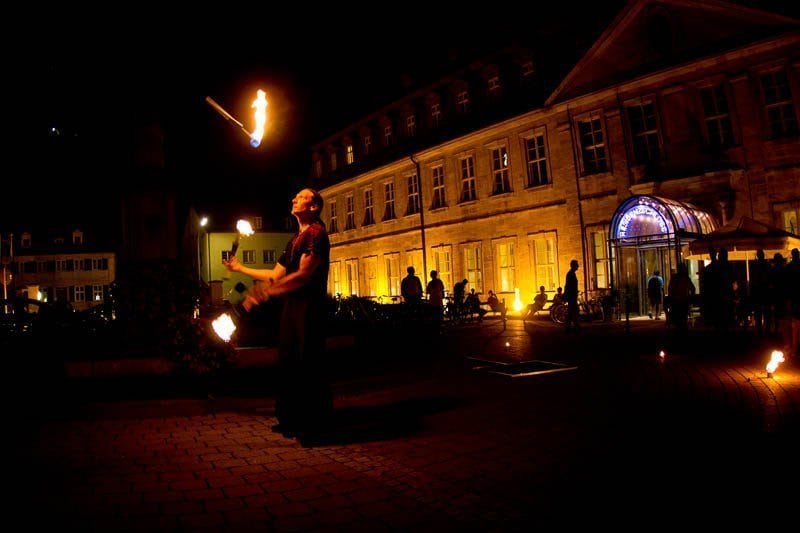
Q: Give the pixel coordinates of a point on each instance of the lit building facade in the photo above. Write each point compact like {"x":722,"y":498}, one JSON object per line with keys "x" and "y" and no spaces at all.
{"x":62,"y":269}
{"x":680,"y":118}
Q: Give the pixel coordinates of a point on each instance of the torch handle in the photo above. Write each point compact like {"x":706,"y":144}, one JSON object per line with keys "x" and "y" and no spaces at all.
{"x":234,"y":247}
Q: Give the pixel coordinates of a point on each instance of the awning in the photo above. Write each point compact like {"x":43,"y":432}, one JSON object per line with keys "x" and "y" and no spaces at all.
{"x":742,"y":239}
{"x":641,"y":219}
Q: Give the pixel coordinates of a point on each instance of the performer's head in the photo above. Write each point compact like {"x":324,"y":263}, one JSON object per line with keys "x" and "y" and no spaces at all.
{"x":308,"y":204}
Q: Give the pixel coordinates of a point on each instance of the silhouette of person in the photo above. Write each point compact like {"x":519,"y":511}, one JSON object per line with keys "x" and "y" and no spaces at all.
{"x":304,"y":402}
{"x":411,"y":287}
{"x":571,"y":296}
{"x":655,"y":294}
{"x":435,"y":290}
{"x":680,"y":292}
{"x":539,"y":301}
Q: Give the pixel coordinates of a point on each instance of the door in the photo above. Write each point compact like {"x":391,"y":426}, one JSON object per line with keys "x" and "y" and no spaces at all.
{"x":650,"y":261}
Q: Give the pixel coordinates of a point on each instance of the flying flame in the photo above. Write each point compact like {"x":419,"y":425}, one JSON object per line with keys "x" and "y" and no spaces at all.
{"x":517,"y":301}
{"x":224,"y":327}
{"x":260,"y":105}
{"x":777,"y":358}
{"x":244,"y":228}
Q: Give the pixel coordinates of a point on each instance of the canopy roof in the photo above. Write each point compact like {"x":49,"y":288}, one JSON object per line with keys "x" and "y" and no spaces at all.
{"x":652,"y":218}
{"x":742,"y":239}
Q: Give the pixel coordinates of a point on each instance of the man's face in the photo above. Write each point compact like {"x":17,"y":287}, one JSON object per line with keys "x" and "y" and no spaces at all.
{"x":302,"y":202}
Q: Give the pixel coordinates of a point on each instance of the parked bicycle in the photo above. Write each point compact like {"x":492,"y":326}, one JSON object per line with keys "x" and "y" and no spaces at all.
{"x":588,"y":310}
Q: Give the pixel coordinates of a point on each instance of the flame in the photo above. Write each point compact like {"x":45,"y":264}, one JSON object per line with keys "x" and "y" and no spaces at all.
{"x":260,"y":105}
{"x":244,"y":228}
{"x":777,"y":358}
{"x":662,"y":355}
{"x":517,"y":301}
{"x":224,"y":327}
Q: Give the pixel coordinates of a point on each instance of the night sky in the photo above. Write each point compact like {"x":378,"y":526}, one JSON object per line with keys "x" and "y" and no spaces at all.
{"x":100,"y":85}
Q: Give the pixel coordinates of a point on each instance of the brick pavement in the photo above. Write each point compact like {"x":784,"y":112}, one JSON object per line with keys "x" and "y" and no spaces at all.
{"x":627,"y":439}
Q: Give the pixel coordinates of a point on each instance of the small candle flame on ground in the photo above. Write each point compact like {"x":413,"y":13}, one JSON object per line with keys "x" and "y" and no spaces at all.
{"x":508,"y":344}
{"x":776,"y":359}
{"x":224,"y":327}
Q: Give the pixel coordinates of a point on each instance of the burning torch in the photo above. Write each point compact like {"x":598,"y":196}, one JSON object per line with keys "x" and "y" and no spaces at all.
{"x":244,"y":229}
{"x":260,"y":115}
{"x":224,"y":325}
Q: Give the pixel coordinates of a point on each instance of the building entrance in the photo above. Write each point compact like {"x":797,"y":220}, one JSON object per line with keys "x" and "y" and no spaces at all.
{"x":646,"y":235}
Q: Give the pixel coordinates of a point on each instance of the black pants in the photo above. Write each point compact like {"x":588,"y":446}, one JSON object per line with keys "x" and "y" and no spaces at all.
{"x":304,"y":402}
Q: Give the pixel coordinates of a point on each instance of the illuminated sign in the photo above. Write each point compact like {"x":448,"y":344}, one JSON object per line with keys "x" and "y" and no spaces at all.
{"x":639,"y":220}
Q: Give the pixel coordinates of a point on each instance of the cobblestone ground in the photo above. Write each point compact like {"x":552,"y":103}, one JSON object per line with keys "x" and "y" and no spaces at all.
{"x":626,"y":438}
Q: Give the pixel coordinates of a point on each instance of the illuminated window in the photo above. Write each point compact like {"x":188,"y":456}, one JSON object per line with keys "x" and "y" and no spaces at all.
{"x":506,"y":266}
{"x":536,"y":159}
{"x":474,"y":266}
{"x":444,"y":264}
{"x":393,"y":273}
{"x":411,"y":125}
{"x":368,"y":208}
{"x":350,"y":213}
{"x":467,"y":179}
{"x":349,"y":156}
{"x":789,"y":219}
{"x":644,"y":132}
{"x":371,"y":275}
{"x":462,"y":102}
{"x":778,"y":104}
{"x":494,"y":87}
{"x":332,"y":224}
{"x":500,"y":170}
{"x":717,"y":116}
{"x":593,"y":147}
{"x":543,"y":255}
{"x":334,"y":278}
{"x":388,"y":201}
{"x":438,"y":188}
{"x":97,"y":293}
{"x":436,"y":114}
{"x":351,"y":271}
{"x":527,"y":69}
{"x":387,"y":135}
{"x":413,"y":195}
{"x":599,"y":257}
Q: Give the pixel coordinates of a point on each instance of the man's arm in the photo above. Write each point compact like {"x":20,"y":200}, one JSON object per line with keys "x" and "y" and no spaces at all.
{"x":268,"y":274}
{"x":290,"y":283}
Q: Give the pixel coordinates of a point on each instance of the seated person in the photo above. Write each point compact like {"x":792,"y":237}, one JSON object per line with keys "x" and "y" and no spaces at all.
{"x":495,"y":304}
{"x":558,"y":297}
{"x":539,"y":301}
{"x":473,"y":305}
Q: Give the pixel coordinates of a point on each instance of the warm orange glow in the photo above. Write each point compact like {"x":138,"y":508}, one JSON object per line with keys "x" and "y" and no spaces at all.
{"x":260,"y":105}
{"x":777,"y":358}
{"x":244,"y":228}
{"x":224,"y":327}
{"x":517,"y":301}
{"x":662,"y":355}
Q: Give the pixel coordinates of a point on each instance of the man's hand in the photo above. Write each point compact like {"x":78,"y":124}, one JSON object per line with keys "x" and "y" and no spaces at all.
{"x":233,"y":264}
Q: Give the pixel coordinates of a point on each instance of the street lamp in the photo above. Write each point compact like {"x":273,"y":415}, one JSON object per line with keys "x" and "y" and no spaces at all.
{"x":203,"y":223}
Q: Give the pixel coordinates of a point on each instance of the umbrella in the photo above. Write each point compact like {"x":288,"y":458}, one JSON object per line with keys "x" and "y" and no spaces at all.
{"x":742,"y":240}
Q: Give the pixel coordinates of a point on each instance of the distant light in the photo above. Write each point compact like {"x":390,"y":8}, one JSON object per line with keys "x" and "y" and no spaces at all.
{"x":508,"y":344}
{"x":55,"y":131}
{"x":203,"y":221}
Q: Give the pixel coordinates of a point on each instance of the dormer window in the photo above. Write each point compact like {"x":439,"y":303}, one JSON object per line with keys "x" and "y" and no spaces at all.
{"x":349,"y":156}
{"x":367,"y":144}
{"x":318,"y":168}
{"x":333,"y":161}
{"x":25,"y":240}
{"x":494,"y":87}
{"x":77,"y":237}
{"x":411,"y":125}
{"x":387,"y":134}
{"x":462,"y":102}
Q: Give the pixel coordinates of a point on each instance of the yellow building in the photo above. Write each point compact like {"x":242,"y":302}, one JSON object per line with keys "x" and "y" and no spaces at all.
{"x":63,"y":269}
{"x":680,"y":118}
